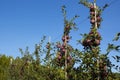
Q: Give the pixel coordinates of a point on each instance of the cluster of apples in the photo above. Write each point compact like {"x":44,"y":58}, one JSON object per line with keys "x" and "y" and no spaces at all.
{"x":63,"y":47}
{"x":61,"y":55}
{"x":65,"y":37}
{"x":92,"y":39}
{"x":95,"y":11}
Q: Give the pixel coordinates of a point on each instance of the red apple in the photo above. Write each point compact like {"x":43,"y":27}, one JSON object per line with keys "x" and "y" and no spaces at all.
{"x":67,"y":37}
{"x":96,"y":42}
{"x":59,"y":57}
{"x":58,"y":45}
{"x":92,"y":13}
{"x":98,"y":19}
{"x":92,"y":8}
{"x":88,"y":41}
{"x":84,"y":43}
{"x":69,"y":58}
{"x":63,"y":45}
{"x":92,"y":21}
{"x":63,"y":38}
{"x":63,"y":50}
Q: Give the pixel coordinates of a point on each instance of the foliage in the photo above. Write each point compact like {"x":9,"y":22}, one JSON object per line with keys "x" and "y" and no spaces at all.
{"x":56,"y":61}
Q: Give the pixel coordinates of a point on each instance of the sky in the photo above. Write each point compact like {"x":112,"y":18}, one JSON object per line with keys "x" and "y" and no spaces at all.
{"x":24,"y":22}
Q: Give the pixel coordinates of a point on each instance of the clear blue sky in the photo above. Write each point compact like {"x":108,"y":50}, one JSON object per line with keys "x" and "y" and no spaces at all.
{"x":24,"y":22}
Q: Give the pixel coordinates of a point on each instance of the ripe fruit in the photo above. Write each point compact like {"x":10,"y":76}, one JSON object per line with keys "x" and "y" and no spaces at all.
{"x":59,"y":57}
{"x":96,"y":42}
{"x":86,"y":42}
{"x":67,"y":37}
{"x":63,"y":38}
{"x":69,"y":58}
{"x":93,"y":39}
{"x":63,"y":45}
{"x":91,"y":33}
{"x":58,"y":45}
{"x":92,"y":13}
{"x":98,"y":19}
{"x":63,"y":50}
{"x":92,"y":21}
{"x":92,"y":8}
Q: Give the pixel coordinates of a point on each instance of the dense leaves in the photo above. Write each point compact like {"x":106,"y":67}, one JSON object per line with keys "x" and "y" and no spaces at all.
{"x":58,"y":60}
